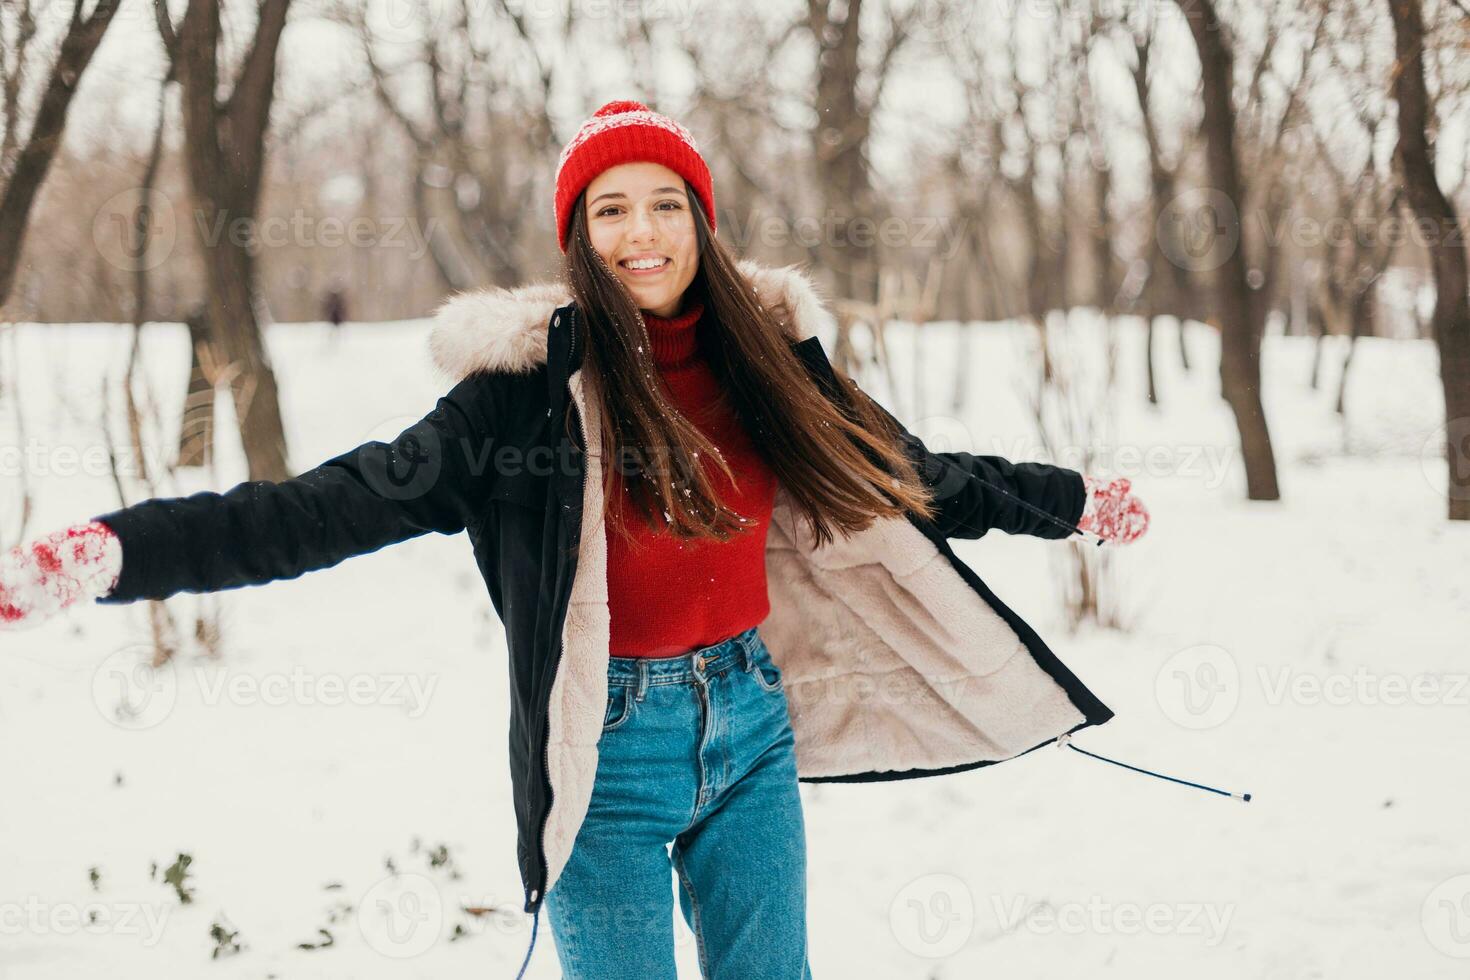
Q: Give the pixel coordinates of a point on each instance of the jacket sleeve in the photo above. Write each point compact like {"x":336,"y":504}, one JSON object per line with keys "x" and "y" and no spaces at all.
{"x":977,"y":493}
{"x":973,"y":494}
{"x":434,"y":476}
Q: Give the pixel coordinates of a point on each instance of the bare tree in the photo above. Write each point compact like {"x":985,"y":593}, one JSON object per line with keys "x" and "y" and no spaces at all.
{"x":1167,"y":287}
{"x":23,"y":166}
{"x":1365,"y":195}
{"x":1241,"y":309}
{"x":1451,"y":317}
{"x":225,"y":150}
{"x":846,"y":98}
{"x":468,"y":172}
{"x":1273,"y":103}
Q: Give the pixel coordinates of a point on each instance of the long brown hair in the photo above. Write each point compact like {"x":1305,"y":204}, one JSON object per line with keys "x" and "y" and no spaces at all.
{"x":840,"y":462}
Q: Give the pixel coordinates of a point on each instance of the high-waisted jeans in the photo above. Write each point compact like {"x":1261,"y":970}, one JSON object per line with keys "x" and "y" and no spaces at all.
{"x":696,"y":750}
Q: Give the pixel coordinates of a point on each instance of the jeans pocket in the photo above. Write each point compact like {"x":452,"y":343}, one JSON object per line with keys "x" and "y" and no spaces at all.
{"x":619,"y":707}
{"x":765,"y":672}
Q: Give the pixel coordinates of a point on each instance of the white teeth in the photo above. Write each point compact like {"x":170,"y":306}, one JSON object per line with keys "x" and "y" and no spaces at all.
{"x":644,"y":263}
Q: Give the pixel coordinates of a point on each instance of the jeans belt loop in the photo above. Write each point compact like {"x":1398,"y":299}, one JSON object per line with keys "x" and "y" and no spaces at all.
{"x":642,"y":679}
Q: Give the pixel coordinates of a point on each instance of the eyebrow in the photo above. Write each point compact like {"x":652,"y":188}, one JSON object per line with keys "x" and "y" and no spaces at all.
{"x":657,"y":190}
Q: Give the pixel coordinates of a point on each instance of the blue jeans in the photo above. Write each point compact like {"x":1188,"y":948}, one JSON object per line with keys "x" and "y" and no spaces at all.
{"x":696,"y":750}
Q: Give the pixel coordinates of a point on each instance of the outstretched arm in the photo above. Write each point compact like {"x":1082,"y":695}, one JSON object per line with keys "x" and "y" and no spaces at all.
{"x":434,"y":476}
{"x":974,"y":494}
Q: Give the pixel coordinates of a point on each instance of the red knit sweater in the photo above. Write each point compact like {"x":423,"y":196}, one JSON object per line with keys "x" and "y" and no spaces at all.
{"x":669,"y":596}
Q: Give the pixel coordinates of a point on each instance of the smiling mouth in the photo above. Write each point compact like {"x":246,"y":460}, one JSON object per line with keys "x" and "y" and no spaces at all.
{"x":646,"y":272}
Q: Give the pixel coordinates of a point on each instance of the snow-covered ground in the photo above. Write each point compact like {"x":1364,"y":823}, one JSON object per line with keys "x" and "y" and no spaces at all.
{"x":1312,"y":652}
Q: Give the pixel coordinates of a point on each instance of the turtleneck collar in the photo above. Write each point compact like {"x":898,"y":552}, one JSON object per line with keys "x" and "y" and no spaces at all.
{"x":674,"y":339}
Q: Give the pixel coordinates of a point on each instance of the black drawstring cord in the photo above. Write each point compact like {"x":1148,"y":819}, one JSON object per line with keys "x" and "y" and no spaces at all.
{"x":535,"y":918}
{"x":1066,"y":740}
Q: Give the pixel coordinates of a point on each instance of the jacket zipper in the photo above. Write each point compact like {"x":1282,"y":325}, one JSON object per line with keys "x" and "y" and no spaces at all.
{"x":539,"y":893}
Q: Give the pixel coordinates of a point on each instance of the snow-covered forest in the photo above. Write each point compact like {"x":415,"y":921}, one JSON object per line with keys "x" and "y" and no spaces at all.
{"x":1214,"y":247}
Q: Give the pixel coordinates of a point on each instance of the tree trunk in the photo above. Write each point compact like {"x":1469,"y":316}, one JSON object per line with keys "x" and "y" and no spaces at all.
{"x":252,"y":381}
{"x":1361,"y":314}
{"x":225,"y":151}
{"x":34,"y":160}
{"x":1240,"y":310}
{"x":839,"y":146}
{"x":1318,"y":331}
{"x":1450,"y":321}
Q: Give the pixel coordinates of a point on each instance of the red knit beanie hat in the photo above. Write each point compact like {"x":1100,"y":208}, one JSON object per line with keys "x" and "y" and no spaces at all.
{"x":625,"y":132}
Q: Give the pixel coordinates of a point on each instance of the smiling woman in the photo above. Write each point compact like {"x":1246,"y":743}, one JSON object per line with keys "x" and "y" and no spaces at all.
{"x":640,"y":224}
{"x":729,"y":518}
{"x":635,"y":206}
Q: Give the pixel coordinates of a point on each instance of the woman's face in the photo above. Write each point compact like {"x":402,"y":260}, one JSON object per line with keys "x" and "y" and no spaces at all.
{"x":639,"y":211}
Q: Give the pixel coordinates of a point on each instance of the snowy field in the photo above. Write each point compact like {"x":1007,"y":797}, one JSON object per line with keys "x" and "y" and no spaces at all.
{"x":1312,"y":652}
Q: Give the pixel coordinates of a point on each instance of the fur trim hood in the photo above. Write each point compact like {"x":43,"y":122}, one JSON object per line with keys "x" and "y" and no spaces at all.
{"x":505,"y":329}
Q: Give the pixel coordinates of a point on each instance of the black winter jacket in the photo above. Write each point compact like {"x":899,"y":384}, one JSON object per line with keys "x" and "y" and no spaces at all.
{"x":898,"y":661}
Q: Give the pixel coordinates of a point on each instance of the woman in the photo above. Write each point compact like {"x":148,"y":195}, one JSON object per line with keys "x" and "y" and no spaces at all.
{"x":721,"y":567}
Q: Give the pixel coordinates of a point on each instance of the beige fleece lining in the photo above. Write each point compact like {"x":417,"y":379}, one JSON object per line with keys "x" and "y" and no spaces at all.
{"x":891,"y":661}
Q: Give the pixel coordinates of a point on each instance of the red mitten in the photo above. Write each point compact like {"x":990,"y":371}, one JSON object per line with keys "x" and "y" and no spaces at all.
{"x":43,"y":577}
{"x":1112,"y":512}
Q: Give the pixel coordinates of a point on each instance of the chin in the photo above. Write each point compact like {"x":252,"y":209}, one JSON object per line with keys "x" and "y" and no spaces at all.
{"x":648,"y":300}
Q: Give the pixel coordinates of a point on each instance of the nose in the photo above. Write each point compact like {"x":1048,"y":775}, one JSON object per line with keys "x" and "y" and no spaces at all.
{"x":640,"y":226}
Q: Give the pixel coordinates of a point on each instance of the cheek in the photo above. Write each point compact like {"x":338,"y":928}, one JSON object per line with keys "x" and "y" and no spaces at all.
{"x":688,"y":250}
{"x":604,"y":242}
